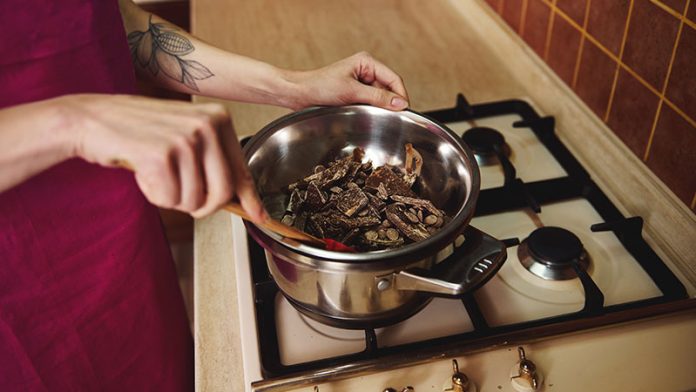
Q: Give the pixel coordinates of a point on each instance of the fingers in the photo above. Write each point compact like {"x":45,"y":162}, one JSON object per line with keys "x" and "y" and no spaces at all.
{"x":386,"y":77}
{"x":191,"y":178}
{"x":218,"y":178}
{"x":158,"y":179}
{"x":380,"y":86}
{"x":376,"y":96}
{"x":243,"y":183}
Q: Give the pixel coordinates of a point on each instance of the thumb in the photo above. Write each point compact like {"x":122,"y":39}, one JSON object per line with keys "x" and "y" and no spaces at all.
{"x":380,"y":97}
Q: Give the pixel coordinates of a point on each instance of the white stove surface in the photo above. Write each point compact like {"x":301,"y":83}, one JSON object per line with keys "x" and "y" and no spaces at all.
{"x":515,"y":294}
{"x":512,"y":296}
{"x":530,"y":158}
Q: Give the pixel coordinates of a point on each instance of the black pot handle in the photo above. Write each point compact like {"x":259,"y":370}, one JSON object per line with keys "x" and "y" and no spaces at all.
{"x":470,"y":266}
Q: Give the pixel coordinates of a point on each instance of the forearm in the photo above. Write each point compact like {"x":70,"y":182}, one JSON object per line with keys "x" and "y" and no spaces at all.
{"x":33,"y":137}
{"x":176,"y":60}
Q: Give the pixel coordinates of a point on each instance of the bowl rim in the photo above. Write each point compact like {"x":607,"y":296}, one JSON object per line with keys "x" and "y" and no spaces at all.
{"x":431,"y":245}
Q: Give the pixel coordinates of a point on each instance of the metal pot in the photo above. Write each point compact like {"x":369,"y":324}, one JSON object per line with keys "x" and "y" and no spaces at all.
{"x":372,"y":289}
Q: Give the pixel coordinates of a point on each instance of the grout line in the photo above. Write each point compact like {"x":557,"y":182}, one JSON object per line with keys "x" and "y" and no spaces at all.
{"x":578,"y":60}
{"x":686,"y":117}
{"x":693,"y":201}
{"x":676,"y":14}
{"x":618,"y":66}
{"x":669,"y":9}
{"x":664,"y":87}
{"x":652,"y":129}
{"x":549,"y":29}
{"x":523,"y":16}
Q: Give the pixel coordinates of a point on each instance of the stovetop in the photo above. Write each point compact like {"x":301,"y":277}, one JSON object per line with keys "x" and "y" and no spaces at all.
{"x":533,"y":182}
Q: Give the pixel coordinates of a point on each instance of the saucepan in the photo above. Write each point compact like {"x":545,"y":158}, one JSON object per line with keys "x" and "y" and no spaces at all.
{"x":376,"y":288}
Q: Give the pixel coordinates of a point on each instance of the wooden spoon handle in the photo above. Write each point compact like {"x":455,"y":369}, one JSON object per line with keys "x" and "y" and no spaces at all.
{"x":270,"y":224}
{"x":275,"y":226}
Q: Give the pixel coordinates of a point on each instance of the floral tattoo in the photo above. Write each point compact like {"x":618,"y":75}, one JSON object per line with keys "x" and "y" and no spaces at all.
{"x":160,"y":49}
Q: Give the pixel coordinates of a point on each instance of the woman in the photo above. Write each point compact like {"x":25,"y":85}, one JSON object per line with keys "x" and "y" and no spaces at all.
{"x":88,"y":294}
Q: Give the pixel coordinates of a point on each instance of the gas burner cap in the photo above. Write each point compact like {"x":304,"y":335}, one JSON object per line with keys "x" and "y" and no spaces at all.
{"x":549,"y":253}
{"x":484,"y":141}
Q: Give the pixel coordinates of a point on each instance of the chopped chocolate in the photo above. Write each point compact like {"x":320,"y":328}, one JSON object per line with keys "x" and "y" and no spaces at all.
{"x":315,"y":197}
{"x":351,"y":200}
{"x":392,"y":234}
{"x":288,"y":219}
{"x":430,"y":220}
{"x":427,"y":204}
{"x":295,"y":202}
{"x":393,"y":184}
{"x":414,"y":231}
{"x":369,"y":208}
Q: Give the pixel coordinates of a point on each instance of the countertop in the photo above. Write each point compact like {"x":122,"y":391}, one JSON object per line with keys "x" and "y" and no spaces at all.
{"x":444,"y":48}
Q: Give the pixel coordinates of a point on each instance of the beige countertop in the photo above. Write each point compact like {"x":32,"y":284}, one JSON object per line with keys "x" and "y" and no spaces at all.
{"x":440,"y":49}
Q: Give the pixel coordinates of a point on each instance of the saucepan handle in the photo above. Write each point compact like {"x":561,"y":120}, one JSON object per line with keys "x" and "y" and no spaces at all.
{"x":466,"y":269}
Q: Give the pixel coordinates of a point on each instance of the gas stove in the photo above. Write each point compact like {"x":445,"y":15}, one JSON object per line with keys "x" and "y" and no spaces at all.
{"x":574,"y":263}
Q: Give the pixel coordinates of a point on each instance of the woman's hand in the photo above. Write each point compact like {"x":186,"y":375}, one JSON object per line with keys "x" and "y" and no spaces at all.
{"x":356,"y":79}
{"x":185,"y":156}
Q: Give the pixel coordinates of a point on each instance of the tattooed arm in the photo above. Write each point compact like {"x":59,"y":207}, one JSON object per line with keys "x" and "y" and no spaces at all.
{"x":179,"y":61}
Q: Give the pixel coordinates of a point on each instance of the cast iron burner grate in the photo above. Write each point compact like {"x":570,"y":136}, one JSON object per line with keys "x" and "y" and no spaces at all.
{"x":513,"y":195}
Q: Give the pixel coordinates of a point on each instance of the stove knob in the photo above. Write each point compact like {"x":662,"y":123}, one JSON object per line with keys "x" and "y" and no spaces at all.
{"x":460,"y":382}
{"x":524,"y":376}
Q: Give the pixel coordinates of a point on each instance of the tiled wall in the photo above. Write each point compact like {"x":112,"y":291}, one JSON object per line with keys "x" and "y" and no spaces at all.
{"x":633,"y":62}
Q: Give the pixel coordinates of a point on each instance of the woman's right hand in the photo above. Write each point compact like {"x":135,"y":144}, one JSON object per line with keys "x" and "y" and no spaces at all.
{"x":185,"y":156}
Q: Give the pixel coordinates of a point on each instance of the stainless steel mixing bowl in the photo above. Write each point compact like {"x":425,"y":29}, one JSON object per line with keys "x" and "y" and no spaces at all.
{"x":380,"y":287}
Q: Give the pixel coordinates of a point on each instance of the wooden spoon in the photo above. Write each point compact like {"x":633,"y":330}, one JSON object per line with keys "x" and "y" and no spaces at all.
{"x":289,"y":231}
{"x":271,"y":224}
{"x":277,"y":227}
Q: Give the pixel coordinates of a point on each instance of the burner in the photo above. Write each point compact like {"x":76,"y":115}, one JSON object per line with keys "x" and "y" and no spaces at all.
{"x":487,"y":143}
{"x":549,"y":253}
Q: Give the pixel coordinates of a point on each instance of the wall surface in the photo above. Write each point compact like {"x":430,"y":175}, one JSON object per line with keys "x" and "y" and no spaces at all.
{"x":633,"y":62}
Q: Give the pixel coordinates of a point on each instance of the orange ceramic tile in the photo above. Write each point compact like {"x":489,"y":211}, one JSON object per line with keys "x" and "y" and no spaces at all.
{"x":651,"y":35}
{"x":673,"y":154}
{"x":606,"y":22}
{"x":563,"y":50}
{"x":536,"y":25}
{"x":512,"y":13}
{"x":575,"y":9}
{"x":681,"y":89}
{"x":595,"y":77}
{"x":632,"y":112}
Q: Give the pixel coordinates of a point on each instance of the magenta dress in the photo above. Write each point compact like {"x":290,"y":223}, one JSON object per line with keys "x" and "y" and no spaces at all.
{"x":89,"y":298}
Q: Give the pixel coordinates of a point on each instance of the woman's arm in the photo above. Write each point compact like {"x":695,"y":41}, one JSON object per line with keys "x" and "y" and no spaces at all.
{"x":179,"y":61}
{"x":185,"y":156}
{"x":33,"y":137}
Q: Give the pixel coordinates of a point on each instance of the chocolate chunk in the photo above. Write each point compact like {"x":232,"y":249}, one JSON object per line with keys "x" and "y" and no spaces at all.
{"x":315,"y":197}
{"x":413,"y":201}
{"x":295,"y":202}
{"x":430,"y":220}
{"x":393,"y":184}
{"x":288,"y":219}
{"x":414,"y":231}
{"x":351,"y":201}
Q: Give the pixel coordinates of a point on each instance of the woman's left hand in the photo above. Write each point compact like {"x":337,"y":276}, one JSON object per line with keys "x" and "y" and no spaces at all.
{"x":357,"y":79}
